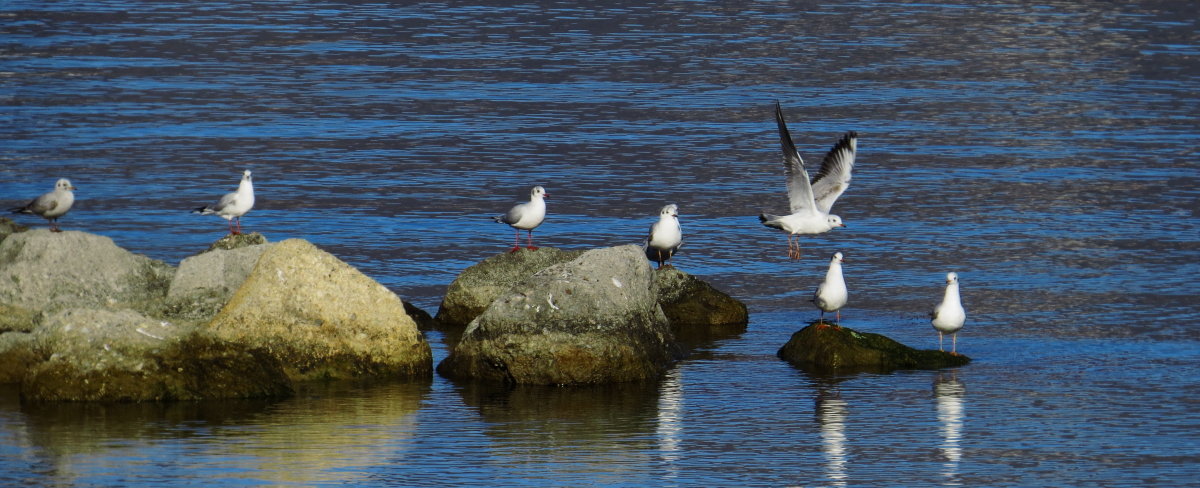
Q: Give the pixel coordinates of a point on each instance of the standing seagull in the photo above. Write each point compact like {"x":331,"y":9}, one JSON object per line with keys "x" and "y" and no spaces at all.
{"x":234,"y":205}
{"x":831,"y":295}
{"x":949,"y":316}
{"x":526,"y":216}
{"x":665,"y":236}
{"x":51,"y":205}
{"x":811,"y":200}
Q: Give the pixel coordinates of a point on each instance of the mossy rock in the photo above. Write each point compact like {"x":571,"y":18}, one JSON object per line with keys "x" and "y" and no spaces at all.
{"x":827,"y":349}
{"x":234,"y":241}
{"x":696,"y":310}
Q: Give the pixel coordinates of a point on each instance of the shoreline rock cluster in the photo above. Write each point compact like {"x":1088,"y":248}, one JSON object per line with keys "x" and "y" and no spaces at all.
{"x":82,"y":319}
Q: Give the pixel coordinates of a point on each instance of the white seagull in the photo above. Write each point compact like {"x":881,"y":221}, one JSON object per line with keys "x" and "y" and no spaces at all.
{"x":51,"y":205}
{"x":526,"y":216}
{"x":234,"y":205}
{"x":948,"y":317}
{"x":811,"y":200}
{"x":665,"y":236}
{"x":831,"y":295}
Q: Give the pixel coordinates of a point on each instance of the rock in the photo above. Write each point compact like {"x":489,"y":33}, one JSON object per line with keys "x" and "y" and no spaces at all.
{"x":479,"y":285}
{"x":9,"y":227}
{"x":696,"y":309}
{"x":50,"y":271}
{"x":321,"y":318}
{"x":16,"y":356}
{"x":592,"y":320}
{"x":217,"y":270}
{"x":830,"y":349}
{"x":235,"y":241}
{"x":102,"y":355}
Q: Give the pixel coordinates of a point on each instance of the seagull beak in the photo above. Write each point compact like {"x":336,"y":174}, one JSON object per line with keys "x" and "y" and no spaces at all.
{"x":843,"y":225}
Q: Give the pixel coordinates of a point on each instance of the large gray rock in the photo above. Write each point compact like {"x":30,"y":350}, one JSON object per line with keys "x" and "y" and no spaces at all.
{"x":478,"y":286}
{"x":321,"y":318}
{"x":592,"y":320}
{"x":103,"y":355}
{"x":50,"y":271}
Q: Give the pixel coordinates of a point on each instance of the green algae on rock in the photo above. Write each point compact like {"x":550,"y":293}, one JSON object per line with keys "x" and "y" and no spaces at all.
{"x":828,"y":349}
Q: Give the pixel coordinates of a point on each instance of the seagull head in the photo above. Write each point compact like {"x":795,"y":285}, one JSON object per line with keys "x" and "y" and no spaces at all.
{"x":672,"y":210}
{"x":538,"y":192}
{"x":951,"y":278}
{"x":246,"y":175}
{"x":63,"y":184}
{"x":837,"y":258}
{"x":834,"y":221}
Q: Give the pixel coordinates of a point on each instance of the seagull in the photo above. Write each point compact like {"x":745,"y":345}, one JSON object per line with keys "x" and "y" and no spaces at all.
{"x":948,"y":317}
{"x":51,"y":205}
{"x":811,"y":200}
{"x":234,"y":205}
{"x":831,"y":295}
{"x":526,"y":216}
{"x":665,"y":236}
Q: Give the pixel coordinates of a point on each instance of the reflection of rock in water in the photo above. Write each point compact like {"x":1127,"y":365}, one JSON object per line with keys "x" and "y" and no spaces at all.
{"x":949,"y":393}
{"x":315,"y":437}
{"x":536,"y":427}
{"x":832,"y":411}
{"x":670,"y":422}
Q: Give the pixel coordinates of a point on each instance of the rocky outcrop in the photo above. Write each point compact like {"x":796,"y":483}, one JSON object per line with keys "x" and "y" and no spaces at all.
{"x":695,"y":309}
{"x":479,"y":285}
{"x":825,"y":349}
{"x":594,"y":319}
{"x":83,"y":319}
{"x":321,"y":318}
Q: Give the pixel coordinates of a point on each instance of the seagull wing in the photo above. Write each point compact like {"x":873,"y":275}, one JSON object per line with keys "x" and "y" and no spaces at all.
{"x":800,"y":192}
{"x":228,"y":200}
{"x":834,"y":176}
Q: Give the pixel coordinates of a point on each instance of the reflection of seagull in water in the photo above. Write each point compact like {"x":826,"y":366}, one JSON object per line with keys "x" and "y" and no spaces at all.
{"x":832,"y":411}
{"x":811,"y":201}
{"x":232,"y":206}
{"x":665,"y":236}
{"x":526,"y":216}
{"x":949,"y":394}
{"x":51,"y":205}
{"x":948,"y":317}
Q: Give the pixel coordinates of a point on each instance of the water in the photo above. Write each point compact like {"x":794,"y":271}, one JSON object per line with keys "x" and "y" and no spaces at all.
{"x":1045,"y":152}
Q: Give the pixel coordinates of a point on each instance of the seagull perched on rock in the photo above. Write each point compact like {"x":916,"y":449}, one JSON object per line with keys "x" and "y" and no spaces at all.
{"x":831,"y":294}
{"x":526,"y":216}
{"x":234,"y":205}
{"x":665,"y":236}
{"x":949,"y":316}
{"x":51,"y":205}
{"x":810,"y":200}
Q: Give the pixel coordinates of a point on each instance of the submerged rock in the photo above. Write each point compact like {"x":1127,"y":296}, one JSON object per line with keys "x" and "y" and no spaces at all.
{"x":829,"y":349}
{"x":594,"y":319}
{"x":696,"y":309}
{"x":479,"y":285}
{"x":321,"y":318}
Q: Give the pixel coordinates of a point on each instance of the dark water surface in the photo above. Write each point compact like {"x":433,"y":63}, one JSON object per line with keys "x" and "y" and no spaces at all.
{"x":1047,"y":152}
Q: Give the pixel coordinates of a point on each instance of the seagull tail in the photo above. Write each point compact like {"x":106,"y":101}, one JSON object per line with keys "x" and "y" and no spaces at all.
{"x":205,"y":210}
{"x":768,"y":220}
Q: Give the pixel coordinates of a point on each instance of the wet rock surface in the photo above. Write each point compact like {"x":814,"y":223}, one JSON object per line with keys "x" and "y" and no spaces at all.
{"x":827,"y":349}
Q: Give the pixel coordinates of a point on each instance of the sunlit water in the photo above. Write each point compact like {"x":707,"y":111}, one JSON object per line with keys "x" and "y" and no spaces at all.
{"x":1047,"y":153}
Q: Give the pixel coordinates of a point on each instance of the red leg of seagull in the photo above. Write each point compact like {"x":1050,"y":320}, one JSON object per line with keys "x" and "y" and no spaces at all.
{"x":530,"y":245}
{"x":516,"y":242}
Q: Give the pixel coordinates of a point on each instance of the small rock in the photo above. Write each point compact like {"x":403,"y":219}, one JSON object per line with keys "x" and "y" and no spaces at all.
{"x":696,"y":309}
{"x":830,"y":349}
{"x":234,"y":241}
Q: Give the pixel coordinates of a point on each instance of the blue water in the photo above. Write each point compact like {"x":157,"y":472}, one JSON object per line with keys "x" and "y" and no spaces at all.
{"x":1045,"y":152}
